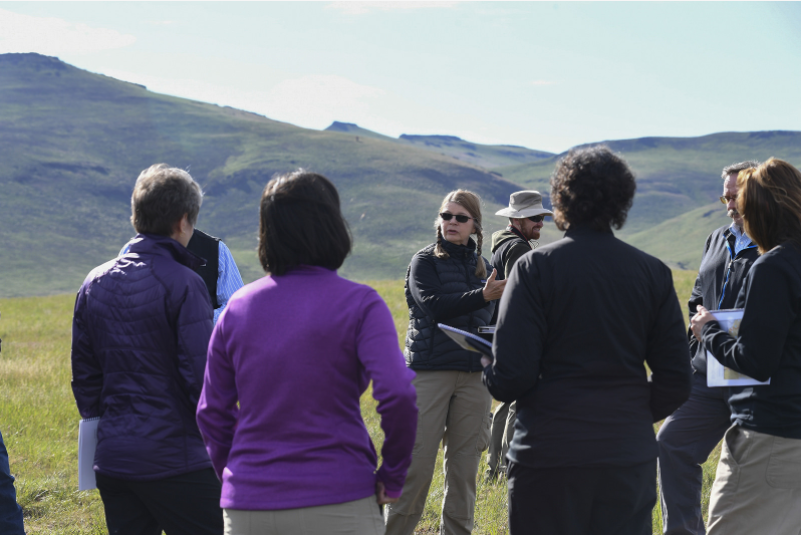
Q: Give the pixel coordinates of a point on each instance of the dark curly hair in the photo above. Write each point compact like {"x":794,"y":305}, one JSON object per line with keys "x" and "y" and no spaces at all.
{"x":593,"y":187}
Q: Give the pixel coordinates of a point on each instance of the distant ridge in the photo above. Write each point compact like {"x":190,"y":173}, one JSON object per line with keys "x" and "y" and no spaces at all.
{"x":485,"y":156}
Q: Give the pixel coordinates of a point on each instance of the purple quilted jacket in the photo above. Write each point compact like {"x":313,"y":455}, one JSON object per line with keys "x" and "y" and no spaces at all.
{"x":140,"y":332}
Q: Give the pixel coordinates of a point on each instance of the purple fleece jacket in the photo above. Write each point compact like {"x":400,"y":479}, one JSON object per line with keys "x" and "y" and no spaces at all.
{"x":297,"y":351}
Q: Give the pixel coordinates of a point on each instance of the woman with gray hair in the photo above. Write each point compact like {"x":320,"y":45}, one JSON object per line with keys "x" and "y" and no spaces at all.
{"x":140,"y":331}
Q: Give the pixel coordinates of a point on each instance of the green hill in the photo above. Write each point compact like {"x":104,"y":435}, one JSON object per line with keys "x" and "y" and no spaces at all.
{"x":72,"y":144}
{"x":678,"y":184}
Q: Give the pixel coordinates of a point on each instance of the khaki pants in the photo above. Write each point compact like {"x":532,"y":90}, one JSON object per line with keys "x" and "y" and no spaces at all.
{"x":503,"y":429}
{"x":454,"y":407}
{"x":758,"y":485}
{"x":360,"y":517}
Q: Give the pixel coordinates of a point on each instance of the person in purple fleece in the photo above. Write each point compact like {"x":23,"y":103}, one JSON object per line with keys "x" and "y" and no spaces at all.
{"x":287,"y":363}
{"x":140,"y":331}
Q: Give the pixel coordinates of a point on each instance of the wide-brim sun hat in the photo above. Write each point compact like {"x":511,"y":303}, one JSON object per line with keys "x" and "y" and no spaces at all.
{"x":524,"y":204}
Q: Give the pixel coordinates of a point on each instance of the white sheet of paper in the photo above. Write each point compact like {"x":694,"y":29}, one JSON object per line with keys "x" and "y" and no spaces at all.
{"x":716,"y":373}
{"x":87,"y":442}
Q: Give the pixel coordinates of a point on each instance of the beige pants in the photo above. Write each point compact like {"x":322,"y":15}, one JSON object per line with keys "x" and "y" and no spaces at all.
{"x":454,"y":407}
{"x":757,"y":489}
{"x":360,"y":517}
{"x":503,"y":430}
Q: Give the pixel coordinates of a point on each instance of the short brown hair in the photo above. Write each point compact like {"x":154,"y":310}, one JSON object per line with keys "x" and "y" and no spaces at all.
{"x":769,"y":199}
{"x":161,"y":196}
{"x":301,"y":223}
{"x":592,"y":186}
{"x":472,"y":203}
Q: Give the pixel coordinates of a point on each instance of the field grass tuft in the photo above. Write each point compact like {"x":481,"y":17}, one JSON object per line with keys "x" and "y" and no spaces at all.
{"x":39,"y":421}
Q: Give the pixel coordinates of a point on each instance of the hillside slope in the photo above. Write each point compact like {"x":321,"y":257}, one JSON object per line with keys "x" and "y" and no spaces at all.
{"x":72,"y":144}
{"x":678,"y":181}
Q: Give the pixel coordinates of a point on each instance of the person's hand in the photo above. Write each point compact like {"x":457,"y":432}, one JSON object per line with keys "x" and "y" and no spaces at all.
{"x":485,"y":361}
{"x":701,"y":318}
{"x":381,"y":494}
{"x":493,"y":289}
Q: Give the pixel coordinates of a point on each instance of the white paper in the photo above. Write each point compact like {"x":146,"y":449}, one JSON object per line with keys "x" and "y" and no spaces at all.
{"x":87,"y":442}
{"x":716,"y":373}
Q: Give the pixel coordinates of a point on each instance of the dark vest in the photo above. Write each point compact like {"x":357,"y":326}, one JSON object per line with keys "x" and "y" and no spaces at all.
{"x":427,"y":347}
{"x":208,"y":248}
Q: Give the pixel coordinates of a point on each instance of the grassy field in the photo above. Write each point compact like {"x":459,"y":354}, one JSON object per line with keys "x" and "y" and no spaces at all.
{"x":39,"y":421}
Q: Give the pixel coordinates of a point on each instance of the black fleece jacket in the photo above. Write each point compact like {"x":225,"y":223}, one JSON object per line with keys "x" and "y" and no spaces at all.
{"x":719,"y":280}
{"x":578,"y":320}
{"x":768,"y":345}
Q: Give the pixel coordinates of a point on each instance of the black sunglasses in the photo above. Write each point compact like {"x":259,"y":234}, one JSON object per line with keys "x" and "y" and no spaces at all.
{"x":536,"y":218}
{"x":460,"y":218}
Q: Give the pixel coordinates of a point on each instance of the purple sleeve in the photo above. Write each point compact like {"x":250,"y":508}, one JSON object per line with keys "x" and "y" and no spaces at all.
{"x":377,"y":347}
{"x":87,"y":376}
{"x":217,"y":412}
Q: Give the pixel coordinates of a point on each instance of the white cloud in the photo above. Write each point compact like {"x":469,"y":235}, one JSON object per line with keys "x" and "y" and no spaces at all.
{"x":53,"y":37}
{"x":360,"y":8}
{"x":543,"y":82}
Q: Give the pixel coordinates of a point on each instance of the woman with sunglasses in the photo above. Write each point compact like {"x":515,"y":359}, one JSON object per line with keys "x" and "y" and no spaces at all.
{"x":447,"y":282}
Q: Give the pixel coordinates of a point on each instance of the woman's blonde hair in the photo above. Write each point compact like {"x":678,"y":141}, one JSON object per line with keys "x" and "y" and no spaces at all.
{"x":769,"y":199}
{"x":472,"y":203}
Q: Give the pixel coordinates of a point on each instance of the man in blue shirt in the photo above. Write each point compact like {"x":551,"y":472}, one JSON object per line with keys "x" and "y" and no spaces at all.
{"x":220,"y":273}
{"x":689,"y":435}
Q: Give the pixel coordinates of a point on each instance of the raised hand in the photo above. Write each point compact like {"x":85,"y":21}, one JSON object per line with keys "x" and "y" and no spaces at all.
{"x":493,"y":289}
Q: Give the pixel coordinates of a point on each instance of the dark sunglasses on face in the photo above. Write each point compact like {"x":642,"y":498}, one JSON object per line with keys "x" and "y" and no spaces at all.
{"x":460,"y":218}
{"x":726,"y":199}
{"x":536,"y":218}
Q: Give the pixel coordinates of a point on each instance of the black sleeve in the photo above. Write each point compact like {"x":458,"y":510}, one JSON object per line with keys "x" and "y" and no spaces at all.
{"x":519,"y":335}
{"x":769,"y":313}
{"x":425,"y":288}
{"x":696,"y":298}
{"x":667,"y":355}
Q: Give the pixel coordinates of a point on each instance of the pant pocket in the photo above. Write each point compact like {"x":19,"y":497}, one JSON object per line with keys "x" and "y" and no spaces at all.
{"x":727,"y":477}
{"x":784,"y":466}
{"x":484,"y":433}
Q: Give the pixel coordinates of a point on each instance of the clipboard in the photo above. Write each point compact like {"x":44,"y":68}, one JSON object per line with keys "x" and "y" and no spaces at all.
{"x":468,"y":341}
{"x":718,"y":375}
{"x":87,"y":444}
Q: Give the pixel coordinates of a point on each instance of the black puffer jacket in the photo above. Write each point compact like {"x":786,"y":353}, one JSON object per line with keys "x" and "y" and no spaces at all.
{"x":444,"y":291}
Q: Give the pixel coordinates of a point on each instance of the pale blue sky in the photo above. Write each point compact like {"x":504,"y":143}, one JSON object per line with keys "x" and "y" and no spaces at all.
{"x":543,"y":75}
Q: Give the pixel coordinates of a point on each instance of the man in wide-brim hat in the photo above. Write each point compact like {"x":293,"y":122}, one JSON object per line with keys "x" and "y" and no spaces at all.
{"x":526,"y":214}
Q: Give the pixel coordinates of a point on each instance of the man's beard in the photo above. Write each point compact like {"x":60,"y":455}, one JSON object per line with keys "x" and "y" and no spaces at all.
{"x":734,"y":214}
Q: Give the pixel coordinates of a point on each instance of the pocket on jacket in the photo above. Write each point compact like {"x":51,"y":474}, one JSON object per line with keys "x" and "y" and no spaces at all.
{"x":784,"y":466}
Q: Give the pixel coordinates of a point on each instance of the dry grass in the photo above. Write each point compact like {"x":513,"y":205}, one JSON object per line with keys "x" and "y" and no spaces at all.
{"x":39,"y":421}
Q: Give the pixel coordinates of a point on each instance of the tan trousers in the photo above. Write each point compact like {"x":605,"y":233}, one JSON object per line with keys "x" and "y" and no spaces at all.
{"x":757,"y":488}
{"x":503,"y":429}
{"x":360,"y":517}
{"x":454,"y":407}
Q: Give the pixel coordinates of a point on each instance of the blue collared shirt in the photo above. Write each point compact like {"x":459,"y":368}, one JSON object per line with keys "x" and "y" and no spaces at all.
{"x":741,"y":239}
{"x":228,"y":278}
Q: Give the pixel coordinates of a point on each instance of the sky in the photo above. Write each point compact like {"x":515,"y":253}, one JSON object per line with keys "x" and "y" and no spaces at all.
{"x":542,"y":75}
